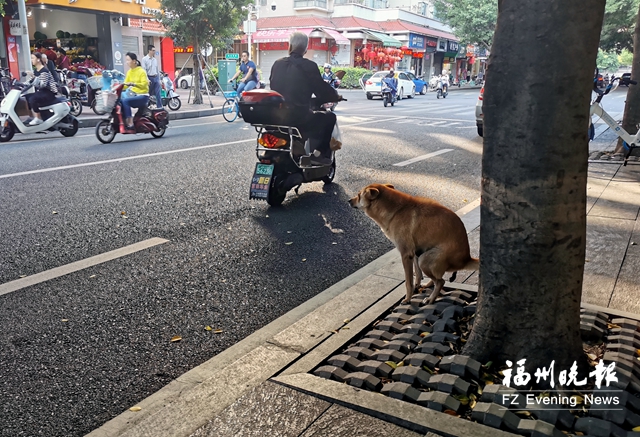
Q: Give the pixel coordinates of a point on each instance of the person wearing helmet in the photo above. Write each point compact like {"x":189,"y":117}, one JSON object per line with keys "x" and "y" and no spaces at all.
{"x":327,"y":76}
{"x":392,"y":82}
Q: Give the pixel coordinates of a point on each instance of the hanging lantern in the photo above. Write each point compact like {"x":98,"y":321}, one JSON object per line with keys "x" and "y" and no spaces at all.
{"x":365,"y":51}
{"x":389,"y":51}
{"x":358,"y":58}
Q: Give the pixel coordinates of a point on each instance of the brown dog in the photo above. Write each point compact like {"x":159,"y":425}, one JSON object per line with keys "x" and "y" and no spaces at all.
{"x":428,"y":235}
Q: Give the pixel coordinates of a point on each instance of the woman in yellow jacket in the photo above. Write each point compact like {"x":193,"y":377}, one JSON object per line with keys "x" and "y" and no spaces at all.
{"x":137,"y":93}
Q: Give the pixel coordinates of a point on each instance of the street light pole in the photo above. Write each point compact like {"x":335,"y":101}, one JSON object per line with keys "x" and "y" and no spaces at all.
{"x":25,"y":55}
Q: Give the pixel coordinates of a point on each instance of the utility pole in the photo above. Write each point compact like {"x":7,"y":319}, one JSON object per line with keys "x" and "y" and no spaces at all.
{"x":25,"y":54}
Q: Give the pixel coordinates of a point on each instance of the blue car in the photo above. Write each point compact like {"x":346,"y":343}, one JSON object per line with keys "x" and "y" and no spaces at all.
{"x":421,"y":85}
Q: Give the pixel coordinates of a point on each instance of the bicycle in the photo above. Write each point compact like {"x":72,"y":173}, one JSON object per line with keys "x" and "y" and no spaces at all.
{"x":630,"y":142}
{"x":231,"y":108}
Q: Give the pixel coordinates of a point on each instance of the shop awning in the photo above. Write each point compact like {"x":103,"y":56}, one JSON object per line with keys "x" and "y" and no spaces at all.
{"x":275,"y":35}
{"x":337,"y":36}
{"x":387,"y":41}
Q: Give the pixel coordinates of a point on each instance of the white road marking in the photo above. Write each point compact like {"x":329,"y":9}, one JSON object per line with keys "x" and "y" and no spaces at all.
{"x":422,"y":158}
{"x":28,"y":281}
{"x":126,"y":158}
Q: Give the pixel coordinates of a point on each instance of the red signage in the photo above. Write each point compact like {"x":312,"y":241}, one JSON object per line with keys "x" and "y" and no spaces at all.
{"x":407,"y":52}
{"x":317,"y":44}
{"x":183,"y":50}
{"x":418,"y":55}
{"x":274,"y":46}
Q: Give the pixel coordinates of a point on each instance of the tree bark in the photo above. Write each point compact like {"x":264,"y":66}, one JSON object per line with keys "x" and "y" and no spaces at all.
{"x":534,"y":176}
{"x":631,"y":116}
{"x":197,"y":94}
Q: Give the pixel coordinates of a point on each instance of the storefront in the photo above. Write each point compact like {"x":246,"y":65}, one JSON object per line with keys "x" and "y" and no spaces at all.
{"x":449,"y":60}
{"x":418,"y":45}
{"x":100,"y":31}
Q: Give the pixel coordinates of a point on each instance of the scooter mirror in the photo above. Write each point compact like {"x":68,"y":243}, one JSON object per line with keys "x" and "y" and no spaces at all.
{"x":24,"y":74}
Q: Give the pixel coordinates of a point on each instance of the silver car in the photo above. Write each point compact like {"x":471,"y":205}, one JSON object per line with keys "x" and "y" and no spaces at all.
{"x":479,"y":115}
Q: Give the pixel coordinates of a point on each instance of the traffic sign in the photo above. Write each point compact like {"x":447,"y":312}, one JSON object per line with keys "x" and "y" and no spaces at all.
{"x":232,"y":56}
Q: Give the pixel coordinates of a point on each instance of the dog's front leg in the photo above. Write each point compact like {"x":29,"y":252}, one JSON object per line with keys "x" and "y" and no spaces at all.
{"x":407,"y":263}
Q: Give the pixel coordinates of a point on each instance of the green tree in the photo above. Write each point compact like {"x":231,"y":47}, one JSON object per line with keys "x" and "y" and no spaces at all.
{"x":534,"y":183}
{"x":618,"y":25}
{"x":625,"y":57}
{"x":472,"y":21}
{"x":197,"y":22}
{"x":607,"y":61}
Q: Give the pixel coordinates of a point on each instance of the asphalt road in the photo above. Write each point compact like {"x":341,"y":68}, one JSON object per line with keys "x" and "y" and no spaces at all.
{"x":77,"y":350}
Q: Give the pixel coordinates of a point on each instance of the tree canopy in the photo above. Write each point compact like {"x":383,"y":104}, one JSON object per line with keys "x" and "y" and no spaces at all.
{"x":607,"y":61}
{"x":619,"y":25}
{"x":202,"y":21}
{"x":473,"y":21}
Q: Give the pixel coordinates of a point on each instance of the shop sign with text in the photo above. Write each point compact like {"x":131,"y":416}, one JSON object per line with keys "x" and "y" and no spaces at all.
{"x":134,"y":8}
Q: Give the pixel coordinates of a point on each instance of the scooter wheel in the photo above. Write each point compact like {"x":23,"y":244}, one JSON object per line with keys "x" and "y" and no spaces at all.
{"x":71,"y":132}
{"x":174,"y":104}
{"x":7,"y":133}
{"x":276,"y":196}
{"x":105,"y":131}
{"x":158,"y":134}
{"x":76,"y":107}
{"x":385,"y":101}
{"x":332,"y":173}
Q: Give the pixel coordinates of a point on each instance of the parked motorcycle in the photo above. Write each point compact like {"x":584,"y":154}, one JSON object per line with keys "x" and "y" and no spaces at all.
{"x":72,"y":94}
{"x":286,"y":158}
{"x":335,"y":82}
{"x":389,"y":92}
{"x":442,"y":90}
{"x":56,"y":117}
{"x":154,"y":121}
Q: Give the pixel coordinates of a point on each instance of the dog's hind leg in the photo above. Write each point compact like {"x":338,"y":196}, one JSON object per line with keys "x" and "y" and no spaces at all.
{"x":407,"y":263}
{"x":417,"y":274}
{"x":434,"y":267}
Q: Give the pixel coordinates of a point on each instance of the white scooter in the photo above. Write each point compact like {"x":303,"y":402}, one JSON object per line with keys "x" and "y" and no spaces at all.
{"x":55,"y":117}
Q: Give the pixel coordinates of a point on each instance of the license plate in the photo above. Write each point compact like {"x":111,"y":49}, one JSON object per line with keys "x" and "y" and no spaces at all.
{"x":261,"y":181}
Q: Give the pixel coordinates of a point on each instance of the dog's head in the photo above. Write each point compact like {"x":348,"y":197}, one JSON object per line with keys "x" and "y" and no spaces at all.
{"x":368,"y":195}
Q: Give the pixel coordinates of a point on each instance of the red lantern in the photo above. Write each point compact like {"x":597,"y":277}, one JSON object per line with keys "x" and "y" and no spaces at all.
{"x":365,"y":51}
{"x":389,"y":51}
{"x":380,"y":55}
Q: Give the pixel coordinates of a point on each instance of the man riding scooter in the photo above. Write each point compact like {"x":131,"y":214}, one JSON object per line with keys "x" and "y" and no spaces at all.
{"x":297,"y":78}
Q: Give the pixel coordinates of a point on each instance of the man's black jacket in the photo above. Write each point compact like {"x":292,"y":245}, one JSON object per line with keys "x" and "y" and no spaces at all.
{"x":297,"y":78}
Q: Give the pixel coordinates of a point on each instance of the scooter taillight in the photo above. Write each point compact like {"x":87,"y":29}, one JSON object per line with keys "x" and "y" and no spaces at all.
{"x":271,"y":141}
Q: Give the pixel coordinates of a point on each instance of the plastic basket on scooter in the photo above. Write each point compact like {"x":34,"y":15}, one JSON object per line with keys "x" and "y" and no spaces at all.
{"x":105,"y":101}
{"x":95,"y":82}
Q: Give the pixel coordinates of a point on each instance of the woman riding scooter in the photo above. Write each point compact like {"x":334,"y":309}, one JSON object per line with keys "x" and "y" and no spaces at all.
{"x":46,"y":91}
{"x":137,"y":93}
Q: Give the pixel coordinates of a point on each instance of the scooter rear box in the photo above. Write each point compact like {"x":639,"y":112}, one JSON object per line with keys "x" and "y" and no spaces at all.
{"x":268,"y":107}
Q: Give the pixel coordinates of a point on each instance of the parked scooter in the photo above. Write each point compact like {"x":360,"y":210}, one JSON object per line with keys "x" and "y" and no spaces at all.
{"x":170,"y":98}
{"x":145,"y":121}
{"x":73,"y":95}
{"x":335,"y":82}
{"x":389,"y":91}
{"x":286,"y":158}
{"x":56,"y":117}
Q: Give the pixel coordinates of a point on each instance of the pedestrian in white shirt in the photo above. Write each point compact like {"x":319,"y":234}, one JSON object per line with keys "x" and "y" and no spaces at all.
{"x":150,"y":65}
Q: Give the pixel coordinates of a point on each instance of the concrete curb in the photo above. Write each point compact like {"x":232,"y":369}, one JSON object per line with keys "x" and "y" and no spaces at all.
{"x":93,"y":120}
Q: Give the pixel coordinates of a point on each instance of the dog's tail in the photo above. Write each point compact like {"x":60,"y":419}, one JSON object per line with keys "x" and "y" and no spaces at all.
{"x":473,"y":264}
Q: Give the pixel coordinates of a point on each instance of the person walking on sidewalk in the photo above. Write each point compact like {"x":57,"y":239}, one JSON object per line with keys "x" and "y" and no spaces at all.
{"x":249,"y":75}
{"x":150,"y":65}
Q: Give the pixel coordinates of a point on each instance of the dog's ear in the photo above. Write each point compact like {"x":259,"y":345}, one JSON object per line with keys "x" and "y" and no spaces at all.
{"x":371,"y":193}
{"x":389,"y":186}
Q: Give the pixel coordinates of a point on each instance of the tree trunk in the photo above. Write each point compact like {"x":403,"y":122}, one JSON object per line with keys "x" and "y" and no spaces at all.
{"x":197,"y":94}
{"x":534,"y":175}
{"x":631,"y":116}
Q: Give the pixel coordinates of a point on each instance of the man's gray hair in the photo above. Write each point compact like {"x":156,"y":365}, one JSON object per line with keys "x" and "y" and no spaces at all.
{"x":298,"y":43}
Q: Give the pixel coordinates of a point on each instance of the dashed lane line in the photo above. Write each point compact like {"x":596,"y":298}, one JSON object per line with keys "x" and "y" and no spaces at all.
{"x":28,"y":281}
{"x":422,"y":157}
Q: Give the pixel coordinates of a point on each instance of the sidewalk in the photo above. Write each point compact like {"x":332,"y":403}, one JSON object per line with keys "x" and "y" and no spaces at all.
{"x":263,"y":386}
